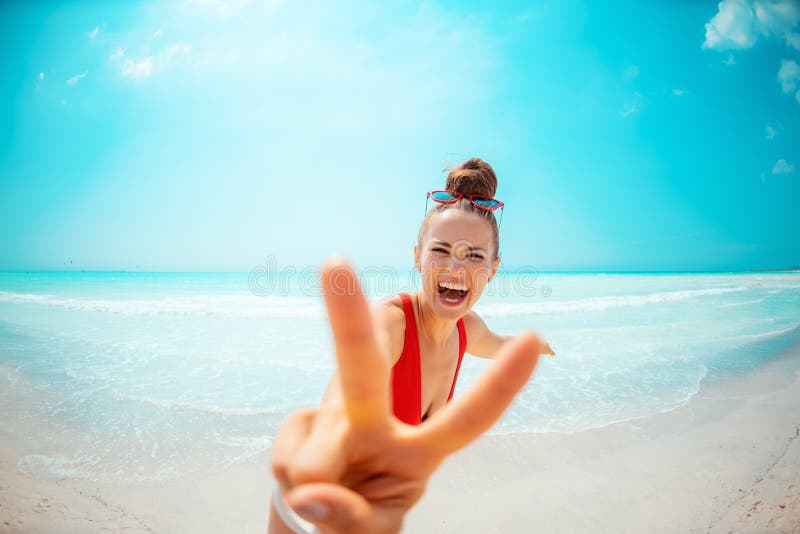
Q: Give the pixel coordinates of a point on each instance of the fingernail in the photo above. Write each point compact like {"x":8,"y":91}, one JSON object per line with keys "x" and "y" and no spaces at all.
{"x":314,"y":511}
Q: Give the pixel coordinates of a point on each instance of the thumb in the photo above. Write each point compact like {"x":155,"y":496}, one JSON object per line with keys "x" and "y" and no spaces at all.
{"x":331,"y":508}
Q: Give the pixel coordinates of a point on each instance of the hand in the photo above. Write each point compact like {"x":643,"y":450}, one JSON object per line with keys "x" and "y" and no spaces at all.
{"x":350,"y":466}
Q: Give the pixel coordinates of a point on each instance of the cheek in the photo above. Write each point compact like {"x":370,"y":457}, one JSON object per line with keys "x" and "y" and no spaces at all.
{"x":480,"y":275}
{"x":431,"y":262}
{"x":430,"y":267}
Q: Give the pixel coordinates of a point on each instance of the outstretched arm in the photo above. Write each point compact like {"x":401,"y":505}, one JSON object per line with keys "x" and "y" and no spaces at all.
{"x":484,"y":343}
{"x":349,"y":465}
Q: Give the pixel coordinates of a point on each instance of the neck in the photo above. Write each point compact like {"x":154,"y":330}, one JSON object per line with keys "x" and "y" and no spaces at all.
{"x":435,"y":328}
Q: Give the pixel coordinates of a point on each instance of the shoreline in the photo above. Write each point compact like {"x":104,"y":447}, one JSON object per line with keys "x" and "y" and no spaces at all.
{"x":727,"y":461}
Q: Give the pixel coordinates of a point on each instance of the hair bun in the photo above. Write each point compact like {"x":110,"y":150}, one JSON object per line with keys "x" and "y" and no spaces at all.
{"x":473,"y":177}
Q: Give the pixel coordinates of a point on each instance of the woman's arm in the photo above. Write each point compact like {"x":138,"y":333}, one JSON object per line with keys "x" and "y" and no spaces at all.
{"x":483,"y":342}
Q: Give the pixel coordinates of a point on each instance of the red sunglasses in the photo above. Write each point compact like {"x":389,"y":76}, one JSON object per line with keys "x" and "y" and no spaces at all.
{"x":445,"y":196}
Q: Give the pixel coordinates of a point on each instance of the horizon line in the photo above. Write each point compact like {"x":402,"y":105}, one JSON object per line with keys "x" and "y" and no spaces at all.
{"x":793,"y":269}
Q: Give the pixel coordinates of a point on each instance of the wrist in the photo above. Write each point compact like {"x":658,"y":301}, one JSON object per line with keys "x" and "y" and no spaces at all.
{"x":289,"y":517}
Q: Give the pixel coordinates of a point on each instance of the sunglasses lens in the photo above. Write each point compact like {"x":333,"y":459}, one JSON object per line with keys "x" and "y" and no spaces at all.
{"x":486,"y":203}
{"x":443,"y":196}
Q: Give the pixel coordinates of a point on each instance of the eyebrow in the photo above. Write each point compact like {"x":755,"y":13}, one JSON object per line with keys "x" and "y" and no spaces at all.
{"x":446,"y":244}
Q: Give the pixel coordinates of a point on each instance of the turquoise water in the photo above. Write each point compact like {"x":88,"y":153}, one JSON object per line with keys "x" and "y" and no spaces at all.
{"x":152,"y":376}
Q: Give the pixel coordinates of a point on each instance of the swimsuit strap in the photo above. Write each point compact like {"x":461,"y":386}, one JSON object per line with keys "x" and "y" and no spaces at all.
{"x":411,"y":342}
{"x":406,"y":376}
{"x":462,"y":347}
{"x":406,"y":373}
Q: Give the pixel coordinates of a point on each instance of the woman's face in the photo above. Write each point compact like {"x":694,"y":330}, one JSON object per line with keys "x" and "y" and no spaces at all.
{"x":456,"y":259}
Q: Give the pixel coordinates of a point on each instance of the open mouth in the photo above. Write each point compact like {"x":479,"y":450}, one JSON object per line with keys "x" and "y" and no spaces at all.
{"x":452,"y":292}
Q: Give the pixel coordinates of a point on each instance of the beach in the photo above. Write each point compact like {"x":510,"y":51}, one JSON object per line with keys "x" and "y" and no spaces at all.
{"x":728,"y":461}
{"x":194,"y":193}
{"x":149,"y":403}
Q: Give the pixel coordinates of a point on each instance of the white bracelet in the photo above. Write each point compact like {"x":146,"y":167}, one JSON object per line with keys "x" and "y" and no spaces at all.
{"x":289,"y":516}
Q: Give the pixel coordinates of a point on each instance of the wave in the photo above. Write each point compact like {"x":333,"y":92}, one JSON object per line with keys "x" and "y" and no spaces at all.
{"x":234,"y":306}
{"x":600,"y":303}
{"x":181,"y":406}
{"x":58,"y":466}
{"x":742,"y":303}
{"x":787,"y":332}
{"x":252,"y":306}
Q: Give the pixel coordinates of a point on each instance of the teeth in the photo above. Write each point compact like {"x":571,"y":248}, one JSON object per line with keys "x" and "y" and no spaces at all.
{"x":454,"y":285}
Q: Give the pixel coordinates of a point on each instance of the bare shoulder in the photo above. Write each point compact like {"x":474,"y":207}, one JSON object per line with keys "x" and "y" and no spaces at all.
{"x":388,"y":309}
{"x":389,"y":317}
{"x":474,"y":324}
{"x":481,"y":340}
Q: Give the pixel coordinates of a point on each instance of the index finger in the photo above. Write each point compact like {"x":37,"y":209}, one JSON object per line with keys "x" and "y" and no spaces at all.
{"x":474,"y":412}
{"x":363,"y":368}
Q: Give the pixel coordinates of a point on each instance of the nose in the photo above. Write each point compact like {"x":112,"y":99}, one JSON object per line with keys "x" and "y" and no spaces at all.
{"x":456,"y":263}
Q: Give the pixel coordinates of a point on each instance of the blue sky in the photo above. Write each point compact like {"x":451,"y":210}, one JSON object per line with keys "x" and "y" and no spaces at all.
{"x":209,"y":135}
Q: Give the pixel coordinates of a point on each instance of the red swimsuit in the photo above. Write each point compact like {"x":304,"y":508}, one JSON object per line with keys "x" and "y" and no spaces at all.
{"x":406,"y":375}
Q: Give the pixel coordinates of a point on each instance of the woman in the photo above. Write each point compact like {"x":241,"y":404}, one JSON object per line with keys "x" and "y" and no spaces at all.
{"x":457,"y":253}
{"x":349,"y":465}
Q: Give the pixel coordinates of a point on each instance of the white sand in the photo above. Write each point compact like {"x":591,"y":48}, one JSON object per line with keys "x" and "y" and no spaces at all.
{"x":729,"y":461}
{"x":233,"y":501}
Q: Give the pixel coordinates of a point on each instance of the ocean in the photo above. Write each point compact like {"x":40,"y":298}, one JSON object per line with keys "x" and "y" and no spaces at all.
{"x":145,"y":377}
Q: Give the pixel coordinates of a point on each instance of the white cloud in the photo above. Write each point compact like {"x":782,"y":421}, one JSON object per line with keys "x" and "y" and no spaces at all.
{"x":92,"y":34}
{"x":633,"y":106}
{"x":781,"y":167}
{"x":401,"y":75}
{"x":175,"y":51}
{"x":156,"y":34}
{"x":41,"y":75}
{"x":679,"y":92}
{"x":631,"y":72}
{"x":730,"y":61}
{"x":788,"y":75}
{"x":777,"y":17}
{"x":793,"y":40}
{"x":137,"y":69}
{"x":731,"y":27}
{"x":739,"y":24}
{"x":770,"y":133}
{"x":629,"y":109}
{"x":75,"y":79}
{"x":116,"y":54}
{"x":147,"y":66}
